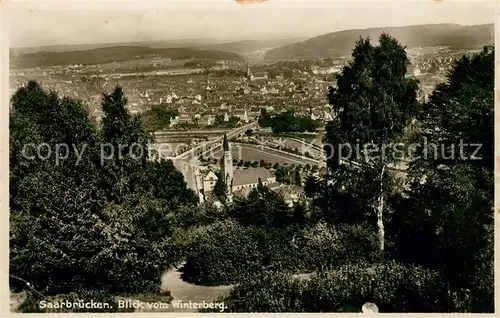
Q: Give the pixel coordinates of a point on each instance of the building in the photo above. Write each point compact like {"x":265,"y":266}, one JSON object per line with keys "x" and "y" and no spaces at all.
{"x":255,"y":77}
{"x":236,"y":179}
{"x":209,"y":182}
{"x":242,"y":114}
{"x":291,"y":193}
{"x":227,"y":167}
{"x":248,"y":178}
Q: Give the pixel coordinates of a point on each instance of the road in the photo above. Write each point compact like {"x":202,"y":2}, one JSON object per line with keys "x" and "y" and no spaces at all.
{"x":191,"y":132}
{"x":311,"y":145}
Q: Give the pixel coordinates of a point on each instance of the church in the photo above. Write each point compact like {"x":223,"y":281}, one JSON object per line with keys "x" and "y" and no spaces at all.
{"x":236,"y":179}
{"x":240,"y":181}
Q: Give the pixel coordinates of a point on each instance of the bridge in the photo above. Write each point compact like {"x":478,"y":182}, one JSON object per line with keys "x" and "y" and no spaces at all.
{"x":213,"y":144}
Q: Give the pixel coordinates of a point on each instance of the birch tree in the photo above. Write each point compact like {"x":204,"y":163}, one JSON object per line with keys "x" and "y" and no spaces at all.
{"x":373,"y":101}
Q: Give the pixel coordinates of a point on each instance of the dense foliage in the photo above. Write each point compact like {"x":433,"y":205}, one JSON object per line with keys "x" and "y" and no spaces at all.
{"x":392,"y":286}
{"x":445,"y":222}
{"x":422,"y":242}
{"x":287,"y":122}
{"x":91,"y":214}
{"x":262,"y":207}
{"x":413,"y":241}
{"x":225,"y":251}
{"x":157,"y":118}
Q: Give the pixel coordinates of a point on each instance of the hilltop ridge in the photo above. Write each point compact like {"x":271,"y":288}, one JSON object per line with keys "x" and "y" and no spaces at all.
{"x":341,"y":43}
{"x":115,"y":54}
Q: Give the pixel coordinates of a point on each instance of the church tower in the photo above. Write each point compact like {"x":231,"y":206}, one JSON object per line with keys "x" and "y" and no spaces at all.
{"x":249,"y":72}
{"x":227,"y":167}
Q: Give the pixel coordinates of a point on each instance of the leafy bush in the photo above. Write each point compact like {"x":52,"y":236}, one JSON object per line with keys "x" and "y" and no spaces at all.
{"x":391,"y":286}
{"x":278,"y":248}
{"x":287,"y":122}
{"x":268,"y":291}
{"x":220,"y":254}
{"x":263,"y":207}
{"x":157,"y":118}
{"x":323,"y":246}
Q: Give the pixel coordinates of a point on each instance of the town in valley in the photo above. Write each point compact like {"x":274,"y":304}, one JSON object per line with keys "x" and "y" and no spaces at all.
{"x":335,"y":158}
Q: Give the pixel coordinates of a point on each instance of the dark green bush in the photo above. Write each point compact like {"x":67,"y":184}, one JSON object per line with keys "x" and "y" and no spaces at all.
{"x":267,"y":291}
{"x":220,"y":254}
{"x":278,"y":248}
{"x":224,"y":251}
{"x":322,"y":246}
{"x":392,"y":286}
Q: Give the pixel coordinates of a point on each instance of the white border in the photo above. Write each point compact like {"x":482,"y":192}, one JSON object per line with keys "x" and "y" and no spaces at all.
{"x":191,"y":5}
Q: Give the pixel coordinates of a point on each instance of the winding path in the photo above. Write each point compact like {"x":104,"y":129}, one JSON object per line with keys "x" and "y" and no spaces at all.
{"x":181,"y":290}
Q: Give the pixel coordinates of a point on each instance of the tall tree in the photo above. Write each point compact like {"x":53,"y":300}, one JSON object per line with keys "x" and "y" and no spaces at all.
{"x":124,"y":145}
{"x":446,"y":220}
{"x":311,"y":187}
{"x":220,"y":189}
{"x":297,"y":177}
{"x":373,"y":101}
{"x":66,"y":228}
{"x":263,"y":207}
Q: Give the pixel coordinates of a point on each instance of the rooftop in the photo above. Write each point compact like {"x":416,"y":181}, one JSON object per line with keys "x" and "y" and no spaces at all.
{"x":250,"y":175}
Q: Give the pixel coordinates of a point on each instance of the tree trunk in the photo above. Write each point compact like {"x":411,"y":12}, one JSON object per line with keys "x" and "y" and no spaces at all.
{"x":380,"y":210}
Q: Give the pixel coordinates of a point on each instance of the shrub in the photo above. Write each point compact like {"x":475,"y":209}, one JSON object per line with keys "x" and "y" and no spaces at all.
{"x":220,"y":254}
{"x":266,"y":292}
{"x":322,"y":246}
{"x":391,"y":286}
{"x":278,"y":248}
{"x":262,"y":207}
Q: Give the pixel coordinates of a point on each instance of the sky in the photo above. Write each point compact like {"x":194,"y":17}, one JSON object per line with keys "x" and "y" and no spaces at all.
{"x":111,"y":22}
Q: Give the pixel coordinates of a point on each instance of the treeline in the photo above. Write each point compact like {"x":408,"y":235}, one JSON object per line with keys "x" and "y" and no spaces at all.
{"x":287,"y":68}
{"x":287,"y":122}
{"x":224,"y":73}
{"x":219,"y":122}
{"x":200,"y":63}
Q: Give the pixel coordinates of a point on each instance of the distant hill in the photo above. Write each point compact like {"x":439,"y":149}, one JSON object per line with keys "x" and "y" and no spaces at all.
{"x":83,"y":47}
{"x":114,"y":54}
{"x":341,"y":43}
{"x":249,"y":45}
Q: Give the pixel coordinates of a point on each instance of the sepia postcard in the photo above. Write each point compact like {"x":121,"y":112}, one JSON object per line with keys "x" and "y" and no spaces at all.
{"x":248,"y":156}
